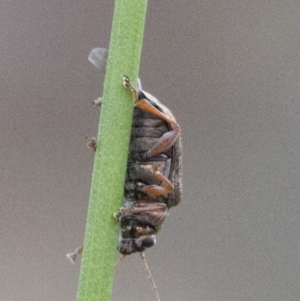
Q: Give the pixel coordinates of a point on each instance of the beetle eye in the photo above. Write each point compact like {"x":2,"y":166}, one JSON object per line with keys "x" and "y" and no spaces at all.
{"x":131,"y":245}
{"x":148,"y":242}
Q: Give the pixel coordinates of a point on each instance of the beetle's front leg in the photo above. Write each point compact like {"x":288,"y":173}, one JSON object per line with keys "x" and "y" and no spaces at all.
{"x":128,"y":85}
{"x":166,"y":140}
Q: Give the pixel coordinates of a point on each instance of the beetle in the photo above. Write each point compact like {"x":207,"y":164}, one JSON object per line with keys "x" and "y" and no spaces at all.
{"x":153,"y":176}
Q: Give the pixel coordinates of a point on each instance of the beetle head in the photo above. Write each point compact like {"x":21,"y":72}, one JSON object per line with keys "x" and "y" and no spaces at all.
{"x":132,"y":245}
{"x":136,"y":235}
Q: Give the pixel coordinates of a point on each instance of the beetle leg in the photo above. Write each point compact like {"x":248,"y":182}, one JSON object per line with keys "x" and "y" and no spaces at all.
{"x":155,"y":210}
{"x":144,"y":104}
{"x":166,"y":140}
{"x":118,"y":215}
{"x":156,"y":189}
{"x":145,"y":207}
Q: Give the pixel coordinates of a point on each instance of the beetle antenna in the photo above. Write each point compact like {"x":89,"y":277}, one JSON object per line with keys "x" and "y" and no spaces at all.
{"x":143,"y":257}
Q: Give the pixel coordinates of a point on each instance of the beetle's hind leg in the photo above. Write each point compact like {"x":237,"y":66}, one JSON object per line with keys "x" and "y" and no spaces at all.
{"x":165,"y":188}
{"x":144,"y":104}
{"x":151,"y":175}
{"x":165,"y":141}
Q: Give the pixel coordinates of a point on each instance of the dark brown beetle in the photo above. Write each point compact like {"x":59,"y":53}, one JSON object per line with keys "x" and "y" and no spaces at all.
{"x":153,"y":177}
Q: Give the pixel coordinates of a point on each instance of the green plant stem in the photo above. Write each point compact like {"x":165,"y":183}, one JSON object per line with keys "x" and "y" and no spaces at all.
{"x":99,"y":256}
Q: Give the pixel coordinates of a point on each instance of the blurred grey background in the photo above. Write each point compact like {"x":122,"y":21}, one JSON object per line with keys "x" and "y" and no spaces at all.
{"x":229,"y":71}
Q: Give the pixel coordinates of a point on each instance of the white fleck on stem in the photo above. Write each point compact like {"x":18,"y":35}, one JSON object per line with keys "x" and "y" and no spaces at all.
{"x":72,"y":256}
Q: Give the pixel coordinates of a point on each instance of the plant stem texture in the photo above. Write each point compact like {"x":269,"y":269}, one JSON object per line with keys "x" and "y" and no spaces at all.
{"x":101,"y":236}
